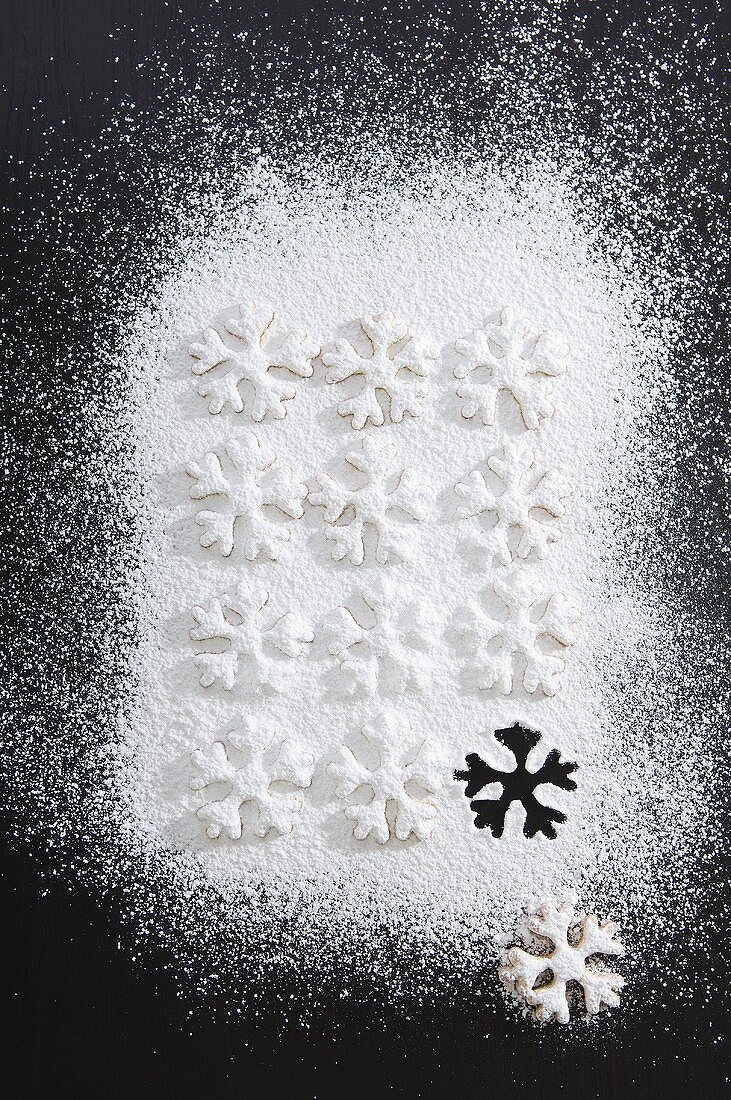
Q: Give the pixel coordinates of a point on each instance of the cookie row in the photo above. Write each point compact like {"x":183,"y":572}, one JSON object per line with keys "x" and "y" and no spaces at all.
{"x":507,"y":354}
{"x":513,"y":505}
{"x":380,"y":643}
{"x":405,"y":776}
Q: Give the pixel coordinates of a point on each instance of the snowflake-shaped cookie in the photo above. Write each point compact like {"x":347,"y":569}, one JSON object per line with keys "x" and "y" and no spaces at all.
{"x":249,"y":362}
{"x":518,"y":362}
{"x":373,"y":505}
{"x":238,"y":623}
{"x":494,"y":645}
{"x":253,"y":481}
{"x":381,"y":648}
{"x":392,"y":370}
{"x":396,"y":782}
{"x":575,"y":939}
{"x":525,"y":510}
{"x":248,"y":762}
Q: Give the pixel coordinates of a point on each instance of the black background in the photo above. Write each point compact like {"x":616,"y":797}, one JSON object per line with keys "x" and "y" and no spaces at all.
{"x":79,"y":1017}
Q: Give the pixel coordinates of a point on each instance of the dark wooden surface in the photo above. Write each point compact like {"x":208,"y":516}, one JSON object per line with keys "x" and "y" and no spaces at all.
{"x":78,"y":1017}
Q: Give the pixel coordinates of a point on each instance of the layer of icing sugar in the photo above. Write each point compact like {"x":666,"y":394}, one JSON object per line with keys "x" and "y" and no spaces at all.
{"x":205,"y":280}
{"x":468,"y":255}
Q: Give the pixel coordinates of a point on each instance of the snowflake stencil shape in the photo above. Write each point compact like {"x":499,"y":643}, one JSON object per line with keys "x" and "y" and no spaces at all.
{"x":495,"y":644}
{"x":374,"y":504}
{"x":531,"y":498}
{"x":255,"y":482}
{"x":248,"y":762}
{"x":237,"y":622}
{"x":517,"y":786}
{"x":387,"y":656}
{"x":395,"y":373}
{"x":575,"y":940}
{"x":249,"y":362}
{"x":519,"y":362}
{"x":394,"y":783}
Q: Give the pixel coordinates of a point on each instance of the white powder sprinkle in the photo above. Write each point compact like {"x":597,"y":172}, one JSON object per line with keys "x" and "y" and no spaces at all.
{"x":326,"y":223}
{"x":446,"y":257}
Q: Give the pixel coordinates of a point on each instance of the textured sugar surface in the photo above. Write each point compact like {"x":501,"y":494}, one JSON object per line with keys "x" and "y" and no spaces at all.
{"x":639,"y":429}
{"x":443,"y":263}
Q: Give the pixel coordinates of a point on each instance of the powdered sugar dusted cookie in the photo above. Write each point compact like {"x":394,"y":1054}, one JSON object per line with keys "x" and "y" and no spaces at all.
{"x":248,"y":353}
{"x":238,"y":623}
{"x":541,"y":980}
{"x":250,"y":763}
{"x":374,"y":505}
{"x":517,"y":361}
{"x":401,"y":775}
{"x":530,"y":618}
{"x":245,"y":485}
{"x":522,"y":500}
{"x":380,"y":642}
{"x":396,"y":367}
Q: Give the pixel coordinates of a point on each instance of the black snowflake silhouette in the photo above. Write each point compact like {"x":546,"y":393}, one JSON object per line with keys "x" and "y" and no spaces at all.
{"x":518,"y":785}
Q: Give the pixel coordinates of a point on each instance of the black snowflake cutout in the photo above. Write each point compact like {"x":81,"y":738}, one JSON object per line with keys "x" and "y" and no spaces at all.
{"x":518,"y":785}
